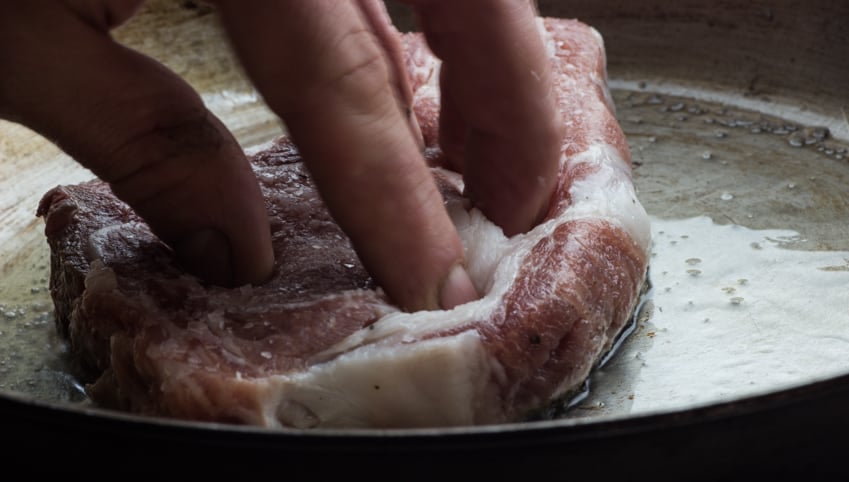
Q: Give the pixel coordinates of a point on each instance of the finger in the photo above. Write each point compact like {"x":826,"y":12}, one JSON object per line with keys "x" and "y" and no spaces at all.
{"x":498,"y":99}
{"x":140,"y":128}
{"x":330,"y":82}
{"x":375,"y":14}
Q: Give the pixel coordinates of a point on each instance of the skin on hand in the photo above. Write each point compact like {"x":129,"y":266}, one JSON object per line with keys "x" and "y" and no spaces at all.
{"x":139,"y":127}
{"x":331,"y":71}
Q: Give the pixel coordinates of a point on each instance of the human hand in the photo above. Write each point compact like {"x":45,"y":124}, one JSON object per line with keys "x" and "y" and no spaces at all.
{"x":327,"y":69}
{"x":337,"y":82}
{"x":138,"y":126}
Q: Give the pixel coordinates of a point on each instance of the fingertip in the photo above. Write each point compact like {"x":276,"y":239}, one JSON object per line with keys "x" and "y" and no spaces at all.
{"x":260,"y":267}
{"x":457,"y":289}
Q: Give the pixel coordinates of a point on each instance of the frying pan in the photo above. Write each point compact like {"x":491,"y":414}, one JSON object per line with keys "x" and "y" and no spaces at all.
{"x":783,"y":60}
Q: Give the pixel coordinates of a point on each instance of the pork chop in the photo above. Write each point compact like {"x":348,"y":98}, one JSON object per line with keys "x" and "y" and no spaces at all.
{"x":320,"y":345}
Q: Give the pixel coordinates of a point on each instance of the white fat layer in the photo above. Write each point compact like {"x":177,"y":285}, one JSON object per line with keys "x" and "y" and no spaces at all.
{"x":429,"y":89}
{"x":437,"y":382}
{"x":608,"y":194}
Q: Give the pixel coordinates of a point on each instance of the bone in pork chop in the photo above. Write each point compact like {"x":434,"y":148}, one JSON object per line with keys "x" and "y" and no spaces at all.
{"x":320,"y":345}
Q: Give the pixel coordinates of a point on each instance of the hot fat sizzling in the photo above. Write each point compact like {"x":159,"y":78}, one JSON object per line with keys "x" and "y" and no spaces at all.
{"x":320,"y":345}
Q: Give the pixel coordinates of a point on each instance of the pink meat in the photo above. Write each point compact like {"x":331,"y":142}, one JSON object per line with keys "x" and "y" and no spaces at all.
{"x":320,"y":345}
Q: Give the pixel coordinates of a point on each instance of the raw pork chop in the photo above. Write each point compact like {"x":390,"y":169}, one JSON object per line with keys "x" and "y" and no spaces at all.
{"x":320,"y":345}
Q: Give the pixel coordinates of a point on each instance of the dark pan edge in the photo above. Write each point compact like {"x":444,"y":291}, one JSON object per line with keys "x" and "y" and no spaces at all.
{"x":801,"y":430}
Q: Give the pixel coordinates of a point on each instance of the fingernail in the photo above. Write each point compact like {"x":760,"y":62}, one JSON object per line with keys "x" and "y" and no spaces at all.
{"x":457,"y":289}
{"x":206,"y":254}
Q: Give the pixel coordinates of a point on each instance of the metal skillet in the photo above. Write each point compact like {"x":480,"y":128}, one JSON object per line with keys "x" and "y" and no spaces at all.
{"x":777,"y":66}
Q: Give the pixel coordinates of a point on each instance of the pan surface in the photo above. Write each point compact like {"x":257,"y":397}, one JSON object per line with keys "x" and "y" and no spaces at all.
{"x":737,"y":361}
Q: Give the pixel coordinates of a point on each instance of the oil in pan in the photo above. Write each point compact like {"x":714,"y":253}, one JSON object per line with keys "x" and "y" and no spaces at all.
{"x":743,"y":204}
{"x":749,"y":263}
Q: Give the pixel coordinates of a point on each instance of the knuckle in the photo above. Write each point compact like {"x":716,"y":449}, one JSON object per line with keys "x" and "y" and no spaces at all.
{"x":366,"y":73}
{"x":163,"y":156}
{"x":358,"y":74}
